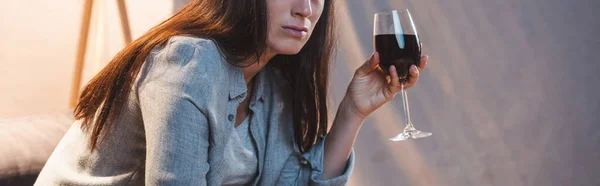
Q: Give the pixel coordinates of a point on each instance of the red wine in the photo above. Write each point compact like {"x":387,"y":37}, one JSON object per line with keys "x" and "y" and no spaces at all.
{"x":392,"y":53}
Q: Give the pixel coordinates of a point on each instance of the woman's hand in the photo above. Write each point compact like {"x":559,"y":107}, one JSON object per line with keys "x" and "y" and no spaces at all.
{"x":370,"y":87}
{"x":368,"y":90}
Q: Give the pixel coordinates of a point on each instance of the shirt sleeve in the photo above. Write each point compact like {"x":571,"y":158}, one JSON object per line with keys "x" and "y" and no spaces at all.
{"x":176,"y":129}
{"x":307,"y":168}
{"x":314,"y":157}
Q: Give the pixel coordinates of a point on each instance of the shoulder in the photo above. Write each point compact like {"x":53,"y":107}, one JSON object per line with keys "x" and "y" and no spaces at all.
{"x":182,"y":48}
{"x":193,"y":42}
{"x":184,"y":63}
{"x":187,"y":57}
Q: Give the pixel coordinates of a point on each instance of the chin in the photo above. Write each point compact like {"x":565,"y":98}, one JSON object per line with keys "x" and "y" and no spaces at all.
{"x":288,"y":47}
{"x":289,"y":51}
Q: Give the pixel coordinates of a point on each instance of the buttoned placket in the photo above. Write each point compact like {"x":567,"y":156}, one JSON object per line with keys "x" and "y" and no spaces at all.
{"x":258,"y":123}
{"x":238,"y":92}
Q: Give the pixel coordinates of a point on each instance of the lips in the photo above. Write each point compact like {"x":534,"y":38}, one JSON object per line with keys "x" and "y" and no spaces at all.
{"x":296,"y":31}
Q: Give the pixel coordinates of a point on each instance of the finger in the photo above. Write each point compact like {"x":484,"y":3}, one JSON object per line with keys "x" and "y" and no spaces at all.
{"x":369,"y":65}
{"x":423,"y":62}
{"x":394,"y":85}
{"x":413,"y":76}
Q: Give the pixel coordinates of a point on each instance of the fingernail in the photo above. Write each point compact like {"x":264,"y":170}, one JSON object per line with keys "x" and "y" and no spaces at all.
{"x":413,"y":68}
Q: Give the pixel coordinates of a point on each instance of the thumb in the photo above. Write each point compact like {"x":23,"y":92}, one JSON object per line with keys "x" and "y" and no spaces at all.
{"x":369,"y":65}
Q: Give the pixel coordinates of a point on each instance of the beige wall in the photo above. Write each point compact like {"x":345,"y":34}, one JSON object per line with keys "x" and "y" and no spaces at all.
{"x":38,"y":48}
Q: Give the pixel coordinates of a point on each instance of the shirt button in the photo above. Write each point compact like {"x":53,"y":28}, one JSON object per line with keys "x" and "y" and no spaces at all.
{"x":303,"y":162}
{"x":231,"y":117}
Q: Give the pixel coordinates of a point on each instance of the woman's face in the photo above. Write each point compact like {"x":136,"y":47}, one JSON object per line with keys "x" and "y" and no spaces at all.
{"x":291,"y":23}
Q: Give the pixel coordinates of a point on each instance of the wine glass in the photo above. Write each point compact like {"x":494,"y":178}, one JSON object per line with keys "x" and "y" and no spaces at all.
{"x":397,"y":43}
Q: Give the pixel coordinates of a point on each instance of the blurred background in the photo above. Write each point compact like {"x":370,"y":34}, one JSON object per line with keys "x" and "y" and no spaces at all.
{"x":510,"y":91}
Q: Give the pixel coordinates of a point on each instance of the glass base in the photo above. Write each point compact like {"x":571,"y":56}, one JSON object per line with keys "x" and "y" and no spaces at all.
{"x":410,"y":134}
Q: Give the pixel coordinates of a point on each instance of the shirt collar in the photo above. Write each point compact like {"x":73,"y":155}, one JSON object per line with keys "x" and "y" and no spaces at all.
{"x":259,"y":84}
{"x":237,"y":83}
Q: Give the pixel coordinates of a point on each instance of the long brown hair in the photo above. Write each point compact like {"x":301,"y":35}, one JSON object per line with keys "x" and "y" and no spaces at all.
{"x":239,"y":28}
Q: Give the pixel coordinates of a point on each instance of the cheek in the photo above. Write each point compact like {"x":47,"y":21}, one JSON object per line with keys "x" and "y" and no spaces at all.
{"x":318,"y":6}
{"x":317,"y":10}
{"x":316,"y":18}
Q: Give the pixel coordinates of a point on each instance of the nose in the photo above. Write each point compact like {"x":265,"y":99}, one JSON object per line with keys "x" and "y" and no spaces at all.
{"x":302,"y":8}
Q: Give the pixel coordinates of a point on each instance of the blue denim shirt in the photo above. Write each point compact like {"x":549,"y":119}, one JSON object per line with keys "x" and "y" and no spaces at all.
{"x":176,"y":124}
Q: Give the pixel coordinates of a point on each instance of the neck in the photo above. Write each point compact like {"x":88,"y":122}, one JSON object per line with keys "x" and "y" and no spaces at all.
{"x":252,"y":70}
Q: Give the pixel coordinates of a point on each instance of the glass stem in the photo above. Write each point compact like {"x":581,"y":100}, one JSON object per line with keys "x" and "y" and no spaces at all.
{"x":409,"y":125}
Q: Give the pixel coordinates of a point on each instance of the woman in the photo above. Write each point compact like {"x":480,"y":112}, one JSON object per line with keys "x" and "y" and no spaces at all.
{"x":225,"y":92}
